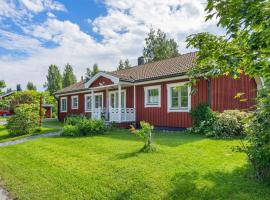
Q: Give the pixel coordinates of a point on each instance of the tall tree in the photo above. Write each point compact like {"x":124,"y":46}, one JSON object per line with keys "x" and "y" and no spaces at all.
{"x":69,"y":77}
{"x":121,"y":65}
{"x":54,"y":79}
{"x":18,"y":87}
{"x":245,"y":49}
{"x":95,"y":69}
{"x":92,"y":72}
{"x":159,"y":46}
{"x":2,"y":85}
{"x":31,"y":86}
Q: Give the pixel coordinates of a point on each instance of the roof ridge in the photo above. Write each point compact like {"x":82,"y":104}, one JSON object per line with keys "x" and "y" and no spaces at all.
{"x":154,"y":62}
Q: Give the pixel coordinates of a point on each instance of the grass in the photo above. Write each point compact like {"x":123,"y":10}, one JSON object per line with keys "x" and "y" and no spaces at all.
{"x":53,"y":123}
{"x":4,"y":135}
{"x":110,"y":167}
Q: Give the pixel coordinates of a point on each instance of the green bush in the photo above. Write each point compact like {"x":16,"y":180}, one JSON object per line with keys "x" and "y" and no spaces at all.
{"x":230,"y":123}
{"x":70,"y":130}
{"x":92,"y":127}
{"x":258,"y":132}
{"x":203,"y":119}
{"x":24,"y":121}
{"x":81,"y":126}
{"x":74,"y":120}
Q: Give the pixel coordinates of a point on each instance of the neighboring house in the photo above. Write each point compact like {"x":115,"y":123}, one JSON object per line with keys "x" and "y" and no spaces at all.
{"x":6,"y":110}
{"x":154,"y":92}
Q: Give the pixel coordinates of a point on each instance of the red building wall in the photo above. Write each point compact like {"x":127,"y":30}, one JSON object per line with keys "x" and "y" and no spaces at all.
{"x":223,"y":91}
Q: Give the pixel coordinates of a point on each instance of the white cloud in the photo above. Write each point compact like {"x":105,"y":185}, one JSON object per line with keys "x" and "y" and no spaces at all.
{"x":123,"y":30}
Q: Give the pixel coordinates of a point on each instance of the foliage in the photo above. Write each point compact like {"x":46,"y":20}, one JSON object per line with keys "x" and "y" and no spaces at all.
{"x":146,"y":134}
{"x":230,"y":123}
{"x":203,"y":119}
{"x":245,"y":49}
{"x":69,"y":77}
{"x":73,"y":120}
{"x":2,"y":85}
{"x":123,"y":65}
{"x":159,"y":47}
{"x":18,"y":87}
{"x":84,"y":126}
{"x":258,"y":150}
{"x":54,"y":79}
{"x":24,"y":121}
{"x":93,"y":72}
{"x":70,"y":130}
{"x":31,"y":86}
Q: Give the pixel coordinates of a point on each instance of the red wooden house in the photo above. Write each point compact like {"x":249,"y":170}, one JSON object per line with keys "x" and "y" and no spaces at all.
{"x":155,"y":92}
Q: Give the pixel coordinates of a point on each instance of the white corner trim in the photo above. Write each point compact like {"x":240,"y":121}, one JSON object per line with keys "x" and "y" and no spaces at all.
{"x":169,"y":109}
{"x":62,"y":98}
{"x":72,"y":101}
{"x":146,"y":105}
{"x":114,"y":79}
{"x":259,"y":82}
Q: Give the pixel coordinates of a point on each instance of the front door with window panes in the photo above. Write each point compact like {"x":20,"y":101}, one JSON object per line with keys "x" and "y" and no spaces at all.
{"x":98,"y":101}
{"x":114,"y":99}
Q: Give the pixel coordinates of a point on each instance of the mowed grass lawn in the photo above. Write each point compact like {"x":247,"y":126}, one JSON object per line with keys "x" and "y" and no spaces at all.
{"x":109,"y":167}
{"x":5,"y":136}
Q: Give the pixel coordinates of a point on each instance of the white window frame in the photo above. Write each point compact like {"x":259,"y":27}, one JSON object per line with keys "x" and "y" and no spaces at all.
{"x":146,"y":104}
{"x":63,"y":98}
{"x":90,"y":95}
{"x":169,"y":86}
{"x":72,"y":101}
{"x":115,"y":92}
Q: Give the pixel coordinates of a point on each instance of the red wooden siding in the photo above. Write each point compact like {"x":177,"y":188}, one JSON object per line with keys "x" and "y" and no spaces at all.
{"x":159,"y":116}
{"x":224,"y":89}
{"x":101,"y":81}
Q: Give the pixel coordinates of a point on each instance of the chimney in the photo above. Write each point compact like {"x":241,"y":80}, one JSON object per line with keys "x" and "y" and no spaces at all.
{"x":141,"y":60}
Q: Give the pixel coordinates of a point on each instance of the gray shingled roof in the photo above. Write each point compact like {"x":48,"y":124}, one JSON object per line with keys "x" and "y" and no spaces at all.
{"x":164,"y":68}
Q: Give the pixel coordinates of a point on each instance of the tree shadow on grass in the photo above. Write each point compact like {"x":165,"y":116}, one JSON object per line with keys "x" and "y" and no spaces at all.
{"x":218,"y":185}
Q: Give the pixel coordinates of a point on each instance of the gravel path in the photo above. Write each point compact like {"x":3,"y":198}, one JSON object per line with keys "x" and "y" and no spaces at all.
{"x":4,"y":194}
{"x":3,"y":144}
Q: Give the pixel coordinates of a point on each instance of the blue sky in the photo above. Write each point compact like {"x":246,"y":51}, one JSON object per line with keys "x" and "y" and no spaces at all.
{"x":37,"y":33}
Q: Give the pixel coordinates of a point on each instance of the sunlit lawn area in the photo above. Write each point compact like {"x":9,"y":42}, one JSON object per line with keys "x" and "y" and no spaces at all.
{"x":109,"y":167}
{"x":5,"y":136}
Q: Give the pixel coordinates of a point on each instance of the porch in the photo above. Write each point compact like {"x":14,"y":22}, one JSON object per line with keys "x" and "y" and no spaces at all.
{"x":111,"y":104}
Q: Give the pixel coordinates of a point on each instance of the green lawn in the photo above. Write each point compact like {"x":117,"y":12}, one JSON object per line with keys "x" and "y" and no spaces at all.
{"x":53,"y":123}
{"x":3,"y":119}
{"x":109,"y":167}
{"x":4,"y":135}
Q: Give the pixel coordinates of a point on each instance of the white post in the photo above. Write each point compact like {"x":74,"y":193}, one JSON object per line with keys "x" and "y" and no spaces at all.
{"x":93,"y":104}
{"x":107,"y":103}
{"x":134,"y":101}
{"x":119,"y":102}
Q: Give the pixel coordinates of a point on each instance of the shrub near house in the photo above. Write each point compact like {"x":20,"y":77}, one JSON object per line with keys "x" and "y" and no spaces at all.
{"x":24,"y":121}
{"x":81,"y":126}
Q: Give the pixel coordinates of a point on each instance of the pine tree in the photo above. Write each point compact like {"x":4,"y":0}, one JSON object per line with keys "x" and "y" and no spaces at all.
{"x":54,"y":80}
{"x":31,"y":86}
{"x":69,"y":77}
{"x":95,"y":69}
{"x":127,"y":64}
{"x":121,"y":65}
{"x":2,"y":85}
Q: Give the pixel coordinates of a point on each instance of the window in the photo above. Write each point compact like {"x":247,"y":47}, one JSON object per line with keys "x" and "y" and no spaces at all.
{"x":74,"y":102}
{"x":179,"y":99}
{"x":63,"y":106}
{"x":98,"y":103}
{"x":114,"y":99}
{"x":152,"y":96}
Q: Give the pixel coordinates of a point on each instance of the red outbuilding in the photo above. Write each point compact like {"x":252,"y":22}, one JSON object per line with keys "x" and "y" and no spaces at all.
{"x":155,"y":92}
